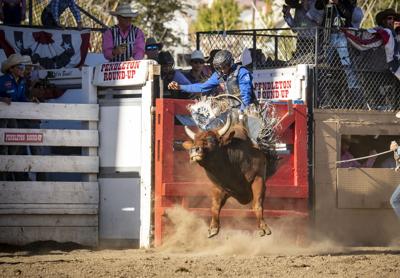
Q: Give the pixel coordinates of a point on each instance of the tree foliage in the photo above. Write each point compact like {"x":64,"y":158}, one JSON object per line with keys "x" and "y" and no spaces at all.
{"x":222,"y":15}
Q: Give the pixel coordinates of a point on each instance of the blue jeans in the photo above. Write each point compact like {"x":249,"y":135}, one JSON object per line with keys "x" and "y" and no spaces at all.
{"x":395,"y":201}
{"x":338,"y":41}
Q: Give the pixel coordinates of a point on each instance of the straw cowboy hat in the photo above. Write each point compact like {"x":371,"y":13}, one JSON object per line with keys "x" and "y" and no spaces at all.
{"x":152,"y":41}
{"x":385,"y":13}
{"x":12,"y":60}
{"x":26,"y":60}
{"x":125,"y":10}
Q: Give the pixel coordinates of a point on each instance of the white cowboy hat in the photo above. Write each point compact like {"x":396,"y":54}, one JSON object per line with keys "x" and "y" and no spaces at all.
{"x":125,"y":10}
{"x":12,"y":60}
{"x":26,"y":60}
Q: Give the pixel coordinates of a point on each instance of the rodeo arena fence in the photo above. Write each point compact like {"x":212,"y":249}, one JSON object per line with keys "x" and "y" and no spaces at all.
{"x":131,"y":167}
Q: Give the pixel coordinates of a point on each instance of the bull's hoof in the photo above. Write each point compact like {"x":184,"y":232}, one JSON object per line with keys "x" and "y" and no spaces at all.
{"x":212,"y":232}
{"x":264,"y":231}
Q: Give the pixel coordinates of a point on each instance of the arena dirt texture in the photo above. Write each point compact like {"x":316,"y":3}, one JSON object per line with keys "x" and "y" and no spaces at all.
{"x":188,"y":253}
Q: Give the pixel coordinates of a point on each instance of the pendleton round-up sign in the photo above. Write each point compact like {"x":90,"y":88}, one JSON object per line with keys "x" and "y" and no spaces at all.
{"x":280,"y":84}
{"x":121,"y":73}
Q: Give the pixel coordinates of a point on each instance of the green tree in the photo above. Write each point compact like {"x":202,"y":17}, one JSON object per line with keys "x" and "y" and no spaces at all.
{"x":222,"y":15}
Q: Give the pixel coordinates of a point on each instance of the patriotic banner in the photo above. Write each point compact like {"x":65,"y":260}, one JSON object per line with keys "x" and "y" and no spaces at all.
{"x":366,"y":39}
{"x":52,"y":49}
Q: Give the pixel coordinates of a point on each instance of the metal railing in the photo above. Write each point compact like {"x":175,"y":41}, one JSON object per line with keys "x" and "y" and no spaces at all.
{"x":344,"y":77}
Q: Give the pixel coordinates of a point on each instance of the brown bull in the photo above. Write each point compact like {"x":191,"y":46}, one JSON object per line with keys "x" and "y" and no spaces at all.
{"x":235,"y":167}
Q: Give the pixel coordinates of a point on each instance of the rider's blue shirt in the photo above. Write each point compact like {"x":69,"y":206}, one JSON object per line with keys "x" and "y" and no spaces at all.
{"x":245,"y":81}
{"x":12,"y":89}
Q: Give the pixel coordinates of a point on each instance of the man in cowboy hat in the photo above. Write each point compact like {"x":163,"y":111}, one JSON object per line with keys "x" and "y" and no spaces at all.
{"x":12,"y":85}
{"x":124,"y":41}
{"x":386,"y":19}
{"x":153,"y":48}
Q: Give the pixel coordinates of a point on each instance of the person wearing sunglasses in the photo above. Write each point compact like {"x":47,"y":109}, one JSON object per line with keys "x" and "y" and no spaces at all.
{"x":386,"y":19}
{"x":236,"y":80}
{"x":152,"y":49}
{"x":198,"y":73}
{"x":124,"y":41}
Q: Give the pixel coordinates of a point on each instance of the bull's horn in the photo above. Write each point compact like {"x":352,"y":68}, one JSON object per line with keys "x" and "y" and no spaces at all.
{"x":189,"y":132}
{"x":226,"y":127}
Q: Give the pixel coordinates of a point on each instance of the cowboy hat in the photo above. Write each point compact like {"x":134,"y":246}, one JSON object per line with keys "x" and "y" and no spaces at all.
{"x":152,"y":41}
{"x":385,"y":13}
{"x":26,"y":60}
{"x":197,"y":55}
{"x":12,"y":60}
{"x":125,"y":10}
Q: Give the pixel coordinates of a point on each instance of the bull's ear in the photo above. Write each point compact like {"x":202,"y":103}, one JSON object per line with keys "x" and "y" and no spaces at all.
{"x":225,"y":140}
{"x":187,"y":145}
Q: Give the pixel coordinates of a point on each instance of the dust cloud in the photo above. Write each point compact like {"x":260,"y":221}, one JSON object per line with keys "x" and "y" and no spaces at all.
{"x":189,"y":235}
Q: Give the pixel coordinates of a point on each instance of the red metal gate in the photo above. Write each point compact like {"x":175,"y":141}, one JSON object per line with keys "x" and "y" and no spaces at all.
{"x":177,"y":182}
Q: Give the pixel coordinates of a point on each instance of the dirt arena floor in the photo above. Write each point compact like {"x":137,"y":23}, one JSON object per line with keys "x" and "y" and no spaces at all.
{"x":188,"y":253}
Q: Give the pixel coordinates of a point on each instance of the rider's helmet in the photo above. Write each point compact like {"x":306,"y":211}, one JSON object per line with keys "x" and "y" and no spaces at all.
{"x":222,"y":59}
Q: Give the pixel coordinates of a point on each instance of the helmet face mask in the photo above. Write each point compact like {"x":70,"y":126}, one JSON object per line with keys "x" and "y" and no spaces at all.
{"x":223,"y":62}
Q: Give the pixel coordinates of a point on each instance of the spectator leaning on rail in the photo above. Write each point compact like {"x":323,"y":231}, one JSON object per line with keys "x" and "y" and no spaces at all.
{"x":237,"y":80}
{"x":386,"y":19}
{"x":12,"y":11}
{"x":51,"y":14}
{"x":170,"y":74}
{"x":124,"y":41}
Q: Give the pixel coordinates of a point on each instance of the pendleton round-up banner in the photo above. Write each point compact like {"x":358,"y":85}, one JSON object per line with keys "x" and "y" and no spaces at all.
{"x":52,"y":49}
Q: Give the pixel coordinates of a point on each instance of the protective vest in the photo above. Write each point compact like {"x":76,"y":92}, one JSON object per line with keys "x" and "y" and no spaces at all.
{"x":231,"y":84}
{"x":129,"y":41}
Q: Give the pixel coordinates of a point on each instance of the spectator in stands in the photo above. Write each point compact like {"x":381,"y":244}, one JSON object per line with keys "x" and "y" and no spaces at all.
{"x":152,"y":48}
{"x":198,"y":73}
{"x":347,"y":155}
{"x":237,"y":80}
{"x":305,"y":19}
{"x":12,"y":89}
{"x":52,"y":13}
{"x":210,"y":59}
{"x":124,"y":41}
{"x":12,"y":12}
{"x":170,"y":74}
{"x":386,"y":19}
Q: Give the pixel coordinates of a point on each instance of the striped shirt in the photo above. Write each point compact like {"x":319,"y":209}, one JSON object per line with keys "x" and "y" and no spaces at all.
{"x":133,"y":38}
{"x":57,"y":7}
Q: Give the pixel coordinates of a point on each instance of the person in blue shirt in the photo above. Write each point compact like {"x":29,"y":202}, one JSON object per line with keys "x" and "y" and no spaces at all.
{"x":12,"y":84}
{"x":236,"y":80}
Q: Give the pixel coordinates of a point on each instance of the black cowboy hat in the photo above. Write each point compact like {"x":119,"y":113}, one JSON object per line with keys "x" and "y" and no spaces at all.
{"x":210,"y":57}
{"x":152,"y":41}
{"x":385,"y":13}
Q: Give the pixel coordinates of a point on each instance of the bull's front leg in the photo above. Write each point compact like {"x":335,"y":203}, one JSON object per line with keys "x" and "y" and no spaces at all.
{"x":258,"y":189}
{"x":218,"y":198}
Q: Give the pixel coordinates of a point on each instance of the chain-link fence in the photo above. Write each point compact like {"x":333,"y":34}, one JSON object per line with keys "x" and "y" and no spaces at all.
{"x":96,"y":19}
{"x":345,"y":78}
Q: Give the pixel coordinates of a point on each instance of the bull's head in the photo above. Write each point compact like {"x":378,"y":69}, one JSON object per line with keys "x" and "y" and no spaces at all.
{"x":204,"y":141}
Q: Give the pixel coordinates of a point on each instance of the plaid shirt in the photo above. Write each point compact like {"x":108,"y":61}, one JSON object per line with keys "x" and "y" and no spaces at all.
{"x":58,"y":7}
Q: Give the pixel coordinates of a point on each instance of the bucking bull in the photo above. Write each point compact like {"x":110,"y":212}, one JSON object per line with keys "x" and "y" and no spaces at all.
{"x":235,"y":166}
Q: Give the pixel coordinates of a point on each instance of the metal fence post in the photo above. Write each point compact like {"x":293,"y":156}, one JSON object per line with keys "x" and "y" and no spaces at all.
{"x":30,"y":12}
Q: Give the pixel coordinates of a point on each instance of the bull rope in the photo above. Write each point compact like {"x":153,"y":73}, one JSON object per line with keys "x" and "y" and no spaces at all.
{"x":364,"y":157}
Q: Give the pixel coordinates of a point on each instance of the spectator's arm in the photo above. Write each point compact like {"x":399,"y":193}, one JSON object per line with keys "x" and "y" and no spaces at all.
{"x":138,"y":51}
{"x":205,"y":87}
{"x":108,"y":45}
{"x":75,"y":10}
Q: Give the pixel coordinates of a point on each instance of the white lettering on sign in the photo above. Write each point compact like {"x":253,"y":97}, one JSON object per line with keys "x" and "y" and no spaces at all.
{"x":122,"y":73}
{"x":23,"y":137}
